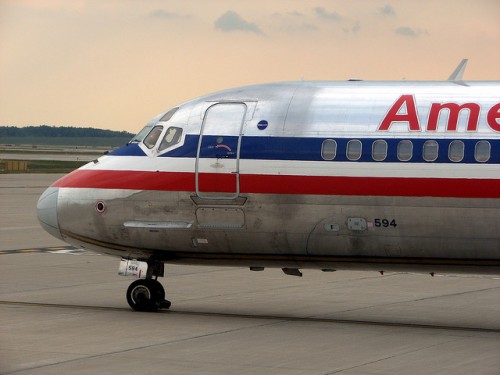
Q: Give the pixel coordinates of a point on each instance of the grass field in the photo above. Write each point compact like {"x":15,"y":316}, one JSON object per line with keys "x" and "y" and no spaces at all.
{"x":111,"y":142}
{"x":45,"y":166}
{"x":48,"y":152}
{"x":78,"y":150}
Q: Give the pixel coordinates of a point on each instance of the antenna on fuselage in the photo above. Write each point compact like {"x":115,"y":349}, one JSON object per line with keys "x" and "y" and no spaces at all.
{"x":456,"y":76}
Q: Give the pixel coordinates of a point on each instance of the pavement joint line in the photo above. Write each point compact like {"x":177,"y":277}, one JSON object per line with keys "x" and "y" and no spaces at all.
{"x":43,"y":250}
{"x":93,"y":356}
{"x":283,"y":319}
{"x":418,"y":299}
{"x":388,"y":357}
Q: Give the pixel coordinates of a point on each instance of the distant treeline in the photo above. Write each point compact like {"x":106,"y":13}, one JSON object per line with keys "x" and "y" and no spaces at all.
{"x":60,"y":131}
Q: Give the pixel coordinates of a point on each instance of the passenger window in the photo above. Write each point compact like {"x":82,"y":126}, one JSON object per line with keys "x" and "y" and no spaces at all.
{"x":482,"y":151}
{"x":405,"y":150}
{"x":379,"y":150}
{"x":456,"y":151}
{"x":353,"y":149}
{"x":329,"y":149}
{"x":153,"y":136}
{"x":430,"y":150}
{"x":172,"y":137}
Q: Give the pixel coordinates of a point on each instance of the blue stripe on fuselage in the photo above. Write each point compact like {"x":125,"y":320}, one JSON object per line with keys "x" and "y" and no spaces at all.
{"x":309,"y":149}
{"x":130,"y":149}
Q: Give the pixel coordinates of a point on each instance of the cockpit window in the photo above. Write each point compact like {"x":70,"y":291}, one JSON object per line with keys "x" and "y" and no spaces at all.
{"x":140,"y":136}
{"x":153,"y":136}
{"x":167,"y":116}
{"x":172,"y":137}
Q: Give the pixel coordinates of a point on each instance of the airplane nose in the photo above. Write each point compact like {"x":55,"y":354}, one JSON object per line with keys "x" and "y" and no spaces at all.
{"x":47,"y":211}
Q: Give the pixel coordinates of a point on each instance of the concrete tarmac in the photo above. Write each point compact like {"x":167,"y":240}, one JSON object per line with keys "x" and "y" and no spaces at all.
{"x":66,"y":312}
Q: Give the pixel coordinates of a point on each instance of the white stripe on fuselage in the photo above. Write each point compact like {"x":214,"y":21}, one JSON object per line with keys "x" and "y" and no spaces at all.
{"x":303,"y":168}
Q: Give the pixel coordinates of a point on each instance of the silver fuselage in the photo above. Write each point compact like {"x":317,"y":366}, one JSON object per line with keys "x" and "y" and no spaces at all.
{"x":331,"y":175}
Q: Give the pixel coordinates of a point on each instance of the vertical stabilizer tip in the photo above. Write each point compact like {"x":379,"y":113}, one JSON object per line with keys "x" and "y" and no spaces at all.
{"x":458,"y":72}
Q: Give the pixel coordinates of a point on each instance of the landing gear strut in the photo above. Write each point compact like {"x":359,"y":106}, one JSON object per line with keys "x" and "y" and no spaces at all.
{"x":148,"y":294}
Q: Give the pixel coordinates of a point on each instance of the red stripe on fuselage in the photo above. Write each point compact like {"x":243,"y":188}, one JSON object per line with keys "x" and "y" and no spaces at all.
{"x":284,"y":184}
{"x":132,"y":180}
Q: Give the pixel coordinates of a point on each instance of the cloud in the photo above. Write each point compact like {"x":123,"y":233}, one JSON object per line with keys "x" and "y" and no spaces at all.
{"x":160,"y":13}
{"x":308,"y":27}
{"x":292,"y":13}
{"x":295,"y":14}
{"x":408,"y":31}
{"x":293,"y":21}
{"x":299,"y":27}
{"x":356,"y":27}
{"x":353,"y":29}
{"x":232,"y":21}
{"x":324,"y":14}
{"x":387,"y":10}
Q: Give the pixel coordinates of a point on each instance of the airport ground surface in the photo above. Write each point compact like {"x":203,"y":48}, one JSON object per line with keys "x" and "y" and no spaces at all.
{"x":51,"y":153}
{"x":65,"y":312}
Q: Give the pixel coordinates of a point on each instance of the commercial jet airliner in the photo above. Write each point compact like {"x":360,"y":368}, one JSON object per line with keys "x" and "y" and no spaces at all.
{"x":354,"y":175}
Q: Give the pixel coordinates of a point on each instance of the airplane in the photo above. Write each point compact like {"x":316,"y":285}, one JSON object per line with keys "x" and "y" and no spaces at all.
{"x":329,"y":175}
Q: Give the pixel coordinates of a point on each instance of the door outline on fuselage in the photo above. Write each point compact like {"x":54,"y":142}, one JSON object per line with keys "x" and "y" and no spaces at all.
{"x":202,"y":166}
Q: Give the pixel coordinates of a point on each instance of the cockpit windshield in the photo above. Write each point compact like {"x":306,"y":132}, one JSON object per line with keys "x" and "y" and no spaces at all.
{"x":153,"y":136}
{"x":171,"y":138}
{"x":142,"y":134}
{"x":167,"y":116}
{"x":151,"y":133}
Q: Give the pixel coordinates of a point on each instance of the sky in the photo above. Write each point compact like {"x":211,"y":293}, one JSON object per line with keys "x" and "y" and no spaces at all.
{"x":115,"y":64}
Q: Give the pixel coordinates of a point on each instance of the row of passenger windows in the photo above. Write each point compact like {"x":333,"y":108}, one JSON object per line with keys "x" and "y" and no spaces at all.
{"x":430,"y":150}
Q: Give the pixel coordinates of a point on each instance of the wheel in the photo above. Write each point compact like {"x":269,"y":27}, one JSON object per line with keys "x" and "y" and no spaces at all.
{"x":159,"y":291}
{"x":145,"y":295}
{"x":162,"y":303}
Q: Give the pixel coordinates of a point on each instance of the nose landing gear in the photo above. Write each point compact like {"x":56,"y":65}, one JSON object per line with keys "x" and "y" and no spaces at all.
{"x":147,"y":295}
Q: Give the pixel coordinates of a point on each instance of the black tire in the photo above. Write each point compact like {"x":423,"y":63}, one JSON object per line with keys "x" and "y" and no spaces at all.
{"x":159,"y":291}
{"x":160,"y":295}
{"x":145,"y":295}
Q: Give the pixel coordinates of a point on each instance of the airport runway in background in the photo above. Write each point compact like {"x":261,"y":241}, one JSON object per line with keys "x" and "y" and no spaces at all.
{"x":64,"y":311}
{"x":53,"y":153}
{"x":58,"y":157}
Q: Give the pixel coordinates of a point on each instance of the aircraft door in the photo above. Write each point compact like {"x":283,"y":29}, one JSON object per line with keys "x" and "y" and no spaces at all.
{"x":217,"y":159}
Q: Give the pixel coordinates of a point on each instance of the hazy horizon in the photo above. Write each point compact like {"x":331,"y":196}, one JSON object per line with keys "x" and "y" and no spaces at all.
{"x":114,"y":64}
